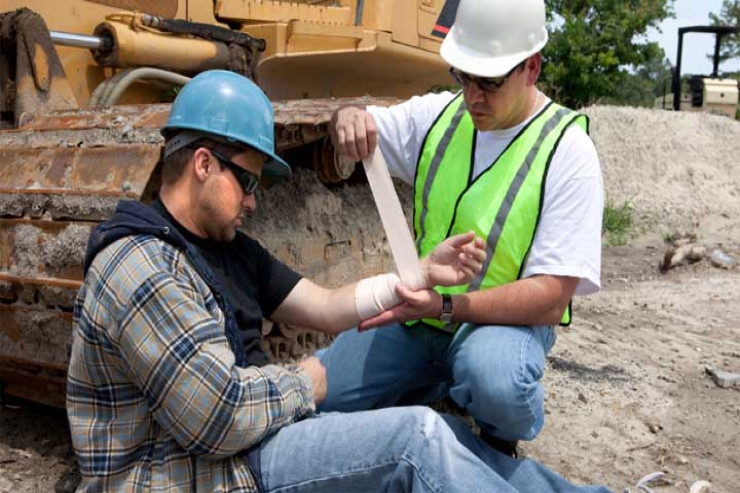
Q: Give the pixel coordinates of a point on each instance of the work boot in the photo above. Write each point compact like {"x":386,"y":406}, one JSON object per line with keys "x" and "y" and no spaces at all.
{"x":504,"y":446}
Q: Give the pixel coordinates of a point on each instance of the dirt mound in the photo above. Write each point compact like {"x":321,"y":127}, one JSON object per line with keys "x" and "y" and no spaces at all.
{"x":679,"y":170}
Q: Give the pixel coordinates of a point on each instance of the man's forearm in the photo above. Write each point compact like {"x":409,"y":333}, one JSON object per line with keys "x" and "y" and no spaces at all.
{"x":317,"y":308}
{"x":539,"y":300}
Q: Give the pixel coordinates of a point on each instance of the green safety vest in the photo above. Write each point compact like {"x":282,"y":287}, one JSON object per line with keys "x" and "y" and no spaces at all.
{"x":502,"y":204}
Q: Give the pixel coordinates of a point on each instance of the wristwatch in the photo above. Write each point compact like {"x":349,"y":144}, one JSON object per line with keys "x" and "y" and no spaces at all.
{"x":446,"y":316}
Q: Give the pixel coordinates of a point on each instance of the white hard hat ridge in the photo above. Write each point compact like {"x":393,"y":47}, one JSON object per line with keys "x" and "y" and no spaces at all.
{"x":491,"y":37}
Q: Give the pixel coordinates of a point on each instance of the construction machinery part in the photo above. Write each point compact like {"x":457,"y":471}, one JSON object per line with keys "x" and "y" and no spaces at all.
{"x":109,"y":92}
{"x":697,"y":84}
{"x":152,"y":49}
{"x":164,"y":8}
{"x":29,"y":59}
{"x":329,"y":164}
{"x":81,"y":41}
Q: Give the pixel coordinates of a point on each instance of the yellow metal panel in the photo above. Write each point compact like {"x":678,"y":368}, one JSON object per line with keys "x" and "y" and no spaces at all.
{"x":307,"y":38}
{"x":404,"y":26}
{"x":429,"y":11}
{"x":315,"y":29}
{"x":378,"y":15}
{"x":163,"y":8}
{"x":269,"y":10}
{"x":341,"y":74}
{"x":202,"y":11}
{"x":430,"y":44}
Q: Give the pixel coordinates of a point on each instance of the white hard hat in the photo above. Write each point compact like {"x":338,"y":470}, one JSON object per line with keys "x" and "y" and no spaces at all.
{"x":491,"y":37}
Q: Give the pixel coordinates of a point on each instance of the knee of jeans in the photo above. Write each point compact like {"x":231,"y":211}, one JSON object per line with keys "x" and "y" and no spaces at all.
{"x":426,"y":423}
{"x":502,"y":390}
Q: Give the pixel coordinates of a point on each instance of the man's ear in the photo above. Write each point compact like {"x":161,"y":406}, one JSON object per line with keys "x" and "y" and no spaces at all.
{"x":534,"y":64}
{"x":202,"y":164}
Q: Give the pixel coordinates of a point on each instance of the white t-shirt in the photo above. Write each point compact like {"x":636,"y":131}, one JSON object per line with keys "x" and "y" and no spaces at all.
{"x":568,"y":237}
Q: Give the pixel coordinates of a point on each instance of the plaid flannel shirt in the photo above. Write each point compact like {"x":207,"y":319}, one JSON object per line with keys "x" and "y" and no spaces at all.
{"x":155,"y":402}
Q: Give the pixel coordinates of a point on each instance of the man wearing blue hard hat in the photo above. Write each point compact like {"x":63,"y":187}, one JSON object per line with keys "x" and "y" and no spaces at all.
{"x":167,"y":390}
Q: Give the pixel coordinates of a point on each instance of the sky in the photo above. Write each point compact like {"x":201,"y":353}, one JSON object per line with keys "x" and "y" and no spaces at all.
{"x":696,"y":46}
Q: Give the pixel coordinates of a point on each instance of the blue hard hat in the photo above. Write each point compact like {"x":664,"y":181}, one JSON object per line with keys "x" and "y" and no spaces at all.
{"x":231,"y":108}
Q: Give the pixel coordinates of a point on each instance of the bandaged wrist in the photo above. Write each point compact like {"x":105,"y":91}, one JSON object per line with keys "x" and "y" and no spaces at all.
{"x":375,"y":295}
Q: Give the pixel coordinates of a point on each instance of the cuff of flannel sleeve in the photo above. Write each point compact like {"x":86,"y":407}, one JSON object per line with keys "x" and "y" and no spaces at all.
{"x":308,"y":405}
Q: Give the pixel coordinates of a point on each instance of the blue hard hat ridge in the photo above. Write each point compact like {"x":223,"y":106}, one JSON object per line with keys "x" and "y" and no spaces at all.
{"x":230,"y":106}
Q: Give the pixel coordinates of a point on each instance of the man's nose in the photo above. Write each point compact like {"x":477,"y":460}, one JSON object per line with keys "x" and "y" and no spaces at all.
{"x":249,"y":203}
{"x":473,"y":93}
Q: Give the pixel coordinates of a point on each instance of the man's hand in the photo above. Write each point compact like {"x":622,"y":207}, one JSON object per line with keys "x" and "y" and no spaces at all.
{"x":457,"y":260}
{"x":415,"y":304}
{"x":316,"y":370}
{"x":353,"y":132}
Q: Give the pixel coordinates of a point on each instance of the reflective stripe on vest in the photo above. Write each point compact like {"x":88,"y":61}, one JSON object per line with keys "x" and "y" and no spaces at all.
{"x":502,"y":204}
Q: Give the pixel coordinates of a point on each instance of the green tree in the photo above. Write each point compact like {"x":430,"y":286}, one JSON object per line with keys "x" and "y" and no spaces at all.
{"x":642,"y":87}
{"x":597,"y":47}
{"x":729,"y":15}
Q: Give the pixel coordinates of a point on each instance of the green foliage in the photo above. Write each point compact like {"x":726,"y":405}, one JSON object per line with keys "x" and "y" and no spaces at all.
{"x":641,"y":88}
{"x":169,"y":95}
{"x":617,"y":222}
{"x":729,"y":15}
{"x":450,"y":88}
{"x":597,"y":48}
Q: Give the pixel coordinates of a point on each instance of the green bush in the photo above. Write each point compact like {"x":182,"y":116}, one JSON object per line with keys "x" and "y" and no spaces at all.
{"x":617,"y":222}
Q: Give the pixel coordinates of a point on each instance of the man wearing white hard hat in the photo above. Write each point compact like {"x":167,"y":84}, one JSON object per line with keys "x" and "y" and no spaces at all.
{"x":502,"y":159}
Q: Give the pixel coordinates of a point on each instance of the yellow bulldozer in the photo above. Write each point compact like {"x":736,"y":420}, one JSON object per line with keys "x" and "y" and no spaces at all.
{"x":84,"y":86}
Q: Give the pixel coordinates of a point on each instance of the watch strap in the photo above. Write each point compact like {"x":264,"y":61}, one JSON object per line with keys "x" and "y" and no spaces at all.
{"x":446,"y":315}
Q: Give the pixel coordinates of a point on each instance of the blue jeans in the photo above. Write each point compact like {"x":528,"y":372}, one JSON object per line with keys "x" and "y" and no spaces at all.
{"x":405,"y":449}
{"x":493,"y":372}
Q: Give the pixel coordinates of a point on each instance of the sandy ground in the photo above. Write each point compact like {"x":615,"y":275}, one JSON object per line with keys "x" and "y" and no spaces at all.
{"x":627,"y":388}
{"x":628,"y":392}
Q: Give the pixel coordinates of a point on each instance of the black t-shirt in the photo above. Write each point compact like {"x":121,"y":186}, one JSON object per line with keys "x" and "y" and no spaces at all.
{"x":255,"y":281}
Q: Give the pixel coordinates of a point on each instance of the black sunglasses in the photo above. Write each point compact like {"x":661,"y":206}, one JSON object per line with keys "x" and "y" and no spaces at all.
{"x":488,"y":84}
{"x":248,"y":180}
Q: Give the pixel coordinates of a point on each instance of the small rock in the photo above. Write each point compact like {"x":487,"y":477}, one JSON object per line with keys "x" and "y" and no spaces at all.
{"x":654,"y":429}
{"x":724,"y":379}
{"x":118,"y":119}
{"x":722,"y":260}
{"x":701,"y":487}
{"x":682,"y":255}
{"x":582,"y":398}
{"x":22,"y":453}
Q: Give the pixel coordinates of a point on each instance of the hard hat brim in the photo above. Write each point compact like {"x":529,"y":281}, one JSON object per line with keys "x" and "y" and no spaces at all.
{"x":274,"y":166}
{"x":483,"y":65}
{"x":277,"y":167}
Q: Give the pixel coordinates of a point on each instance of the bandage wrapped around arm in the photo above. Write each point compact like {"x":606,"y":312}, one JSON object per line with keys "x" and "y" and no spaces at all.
{"x":375,"y":295}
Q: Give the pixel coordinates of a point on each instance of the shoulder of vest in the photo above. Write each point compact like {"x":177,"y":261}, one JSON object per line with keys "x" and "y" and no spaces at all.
{"x":454,"y":103}
{"x":571,"y":116}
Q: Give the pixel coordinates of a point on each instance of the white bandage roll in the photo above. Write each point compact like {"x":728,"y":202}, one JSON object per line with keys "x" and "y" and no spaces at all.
{"x":394,"y":222}
{"x":375,"y":295}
